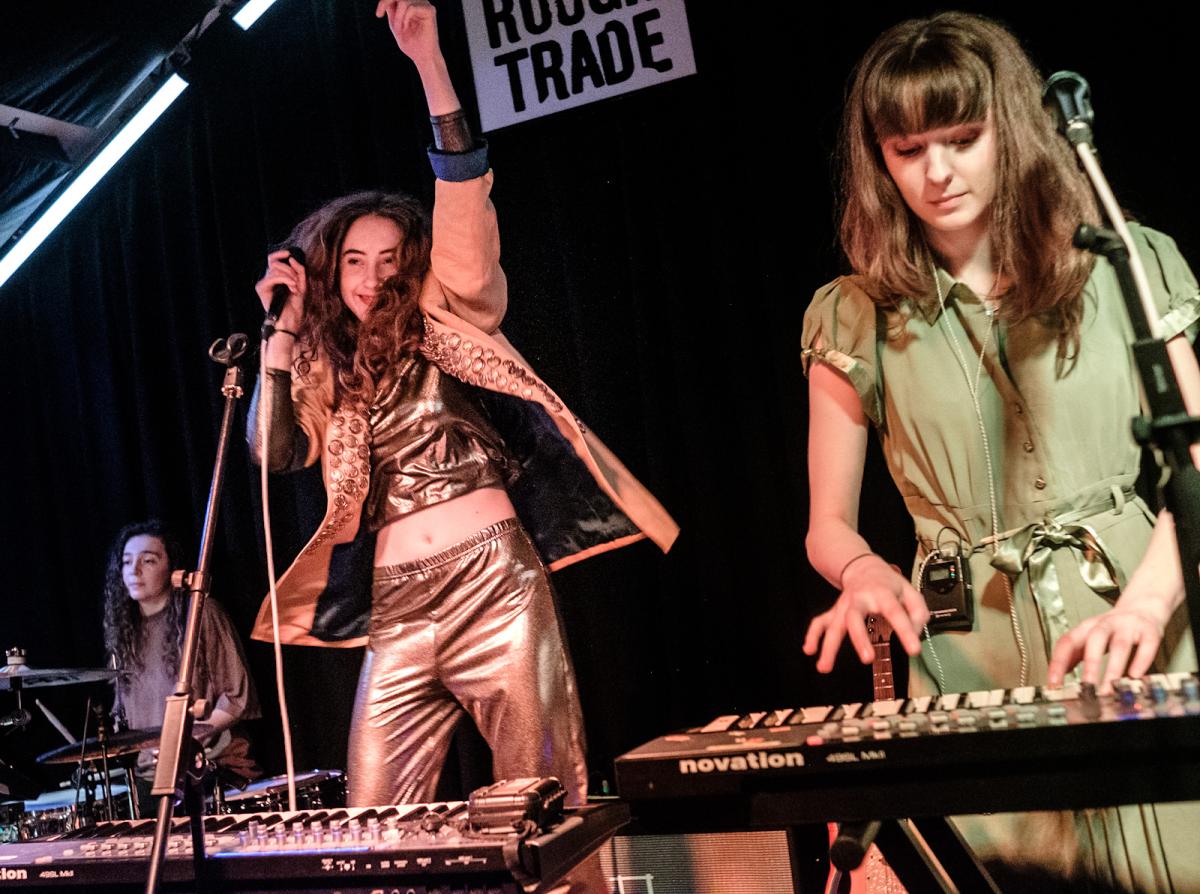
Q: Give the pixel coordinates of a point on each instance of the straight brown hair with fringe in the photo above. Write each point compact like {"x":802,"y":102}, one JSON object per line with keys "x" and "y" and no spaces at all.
{"x":951,"y":69}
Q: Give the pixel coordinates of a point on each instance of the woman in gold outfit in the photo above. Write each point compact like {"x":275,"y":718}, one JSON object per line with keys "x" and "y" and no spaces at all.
{"x":388,"y":366}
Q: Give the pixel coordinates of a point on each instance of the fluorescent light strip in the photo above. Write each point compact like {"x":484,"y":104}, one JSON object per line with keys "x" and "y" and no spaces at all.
{"x":248,"y":14}
{"x":91,"y":175}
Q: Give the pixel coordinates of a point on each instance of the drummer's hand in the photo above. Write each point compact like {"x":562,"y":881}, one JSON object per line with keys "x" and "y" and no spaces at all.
{"x":220,"y":720}
{"x":1129,"y":634}
{"x":870,"y":586}
{"x":283,"y":269}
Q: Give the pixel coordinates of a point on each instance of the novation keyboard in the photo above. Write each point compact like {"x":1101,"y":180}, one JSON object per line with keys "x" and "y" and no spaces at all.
{"x":413,"y":849}
{"x":1001,"y":750}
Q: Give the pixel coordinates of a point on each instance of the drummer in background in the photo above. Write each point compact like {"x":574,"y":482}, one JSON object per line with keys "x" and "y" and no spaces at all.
{"x":143,"y":631}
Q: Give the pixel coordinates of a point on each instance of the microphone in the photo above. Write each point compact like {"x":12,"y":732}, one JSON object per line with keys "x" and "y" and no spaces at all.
{"x":1068,"y":98}
{"x":279,"y":296}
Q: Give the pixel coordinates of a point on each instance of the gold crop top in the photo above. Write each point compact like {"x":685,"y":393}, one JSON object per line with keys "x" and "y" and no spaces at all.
{"x":429,"y":443}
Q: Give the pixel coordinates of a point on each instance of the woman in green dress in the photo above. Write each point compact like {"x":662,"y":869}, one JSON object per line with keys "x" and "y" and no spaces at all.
{"x":992,"y":358}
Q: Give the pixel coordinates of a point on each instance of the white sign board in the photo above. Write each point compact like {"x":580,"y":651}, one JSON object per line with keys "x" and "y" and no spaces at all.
{"x":536,"y":57}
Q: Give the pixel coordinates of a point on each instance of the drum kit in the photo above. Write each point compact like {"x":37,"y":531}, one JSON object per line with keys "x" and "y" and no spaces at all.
{"x":94,"y":796}
{"x":99,"y":793}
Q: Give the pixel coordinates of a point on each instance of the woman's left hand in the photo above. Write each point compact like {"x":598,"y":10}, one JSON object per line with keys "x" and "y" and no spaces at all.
{"x":1129,"y":634}
{"x":414,"y":25}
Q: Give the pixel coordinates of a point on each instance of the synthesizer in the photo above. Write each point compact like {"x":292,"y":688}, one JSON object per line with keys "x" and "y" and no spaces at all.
{"x":1001,"y":750}
{"x":412,"y":849}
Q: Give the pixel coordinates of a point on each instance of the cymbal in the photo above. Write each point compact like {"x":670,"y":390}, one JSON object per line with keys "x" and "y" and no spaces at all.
{"x":22,"y":676}
{"x":128,"y":742}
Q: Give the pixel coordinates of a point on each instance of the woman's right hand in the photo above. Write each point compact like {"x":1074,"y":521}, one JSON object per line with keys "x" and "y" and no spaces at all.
{"x":414,"y":26}
{"x":284,"y":270}
{"x":870,"y":586}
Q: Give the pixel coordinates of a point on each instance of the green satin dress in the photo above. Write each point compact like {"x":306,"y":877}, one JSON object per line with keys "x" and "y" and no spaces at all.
{"x":1063,"y":467}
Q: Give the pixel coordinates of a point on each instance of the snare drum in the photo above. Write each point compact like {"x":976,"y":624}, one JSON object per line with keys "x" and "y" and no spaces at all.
{"x":314,"y":789}
{"x":56,"y":812}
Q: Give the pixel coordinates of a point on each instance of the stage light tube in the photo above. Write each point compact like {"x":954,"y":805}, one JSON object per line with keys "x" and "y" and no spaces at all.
{"x":91,"y":174}
{"x":248,"y":14}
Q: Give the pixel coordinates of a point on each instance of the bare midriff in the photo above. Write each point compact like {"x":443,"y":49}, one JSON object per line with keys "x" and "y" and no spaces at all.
{"x":440,"y":526}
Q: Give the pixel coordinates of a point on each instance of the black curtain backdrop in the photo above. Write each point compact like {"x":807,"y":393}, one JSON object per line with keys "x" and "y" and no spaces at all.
{"x":661,"y":249}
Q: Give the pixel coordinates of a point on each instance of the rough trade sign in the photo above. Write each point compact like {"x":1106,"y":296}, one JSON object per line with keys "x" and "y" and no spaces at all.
{"x":535,"y":57}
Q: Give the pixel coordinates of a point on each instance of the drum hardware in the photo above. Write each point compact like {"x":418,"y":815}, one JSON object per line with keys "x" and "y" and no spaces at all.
{"x":15,"y":720}
{"x":61,"y":810}
{"x":103,"y":746}
{"x":17,"y":674}
{"x":315,"y":790}
{"x":102,"y":736}
{"x":129,"y":742}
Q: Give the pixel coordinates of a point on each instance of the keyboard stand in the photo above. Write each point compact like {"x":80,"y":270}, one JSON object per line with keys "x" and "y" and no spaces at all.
{"x":925,"y":853}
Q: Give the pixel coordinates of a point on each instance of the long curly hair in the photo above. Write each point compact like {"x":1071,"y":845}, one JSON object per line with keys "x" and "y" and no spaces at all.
{"x":360,"y":353}
{"x":123,"y":619}
{"x":951,"y":69}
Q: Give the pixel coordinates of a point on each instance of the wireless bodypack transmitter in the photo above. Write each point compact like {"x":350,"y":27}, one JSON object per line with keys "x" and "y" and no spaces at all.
{"x":946,"y":586}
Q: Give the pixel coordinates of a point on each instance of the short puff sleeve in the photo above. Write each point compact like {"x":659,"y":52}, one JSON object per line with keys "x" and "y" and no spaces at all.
{"x":841,"y":329}
{"x":1171,"y":280}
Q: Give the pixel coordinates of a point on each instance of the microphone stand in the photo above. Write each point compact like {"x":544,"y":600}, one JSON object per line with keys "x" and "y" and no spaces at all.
{"x":177,"y":749}
{"x":102,"y":740}
{"x":80,"y":776}
{"x":1170,"y":427}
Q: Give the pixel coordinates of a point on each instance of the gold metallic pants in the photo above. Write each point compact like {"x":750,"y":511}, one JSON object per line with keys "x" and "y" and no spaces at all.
{"x":471,"y":628}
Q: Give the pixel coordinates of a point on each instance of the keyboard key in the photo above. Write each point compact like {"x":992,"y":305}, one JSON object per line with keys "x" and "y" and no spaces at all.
{"x":721,"y":724}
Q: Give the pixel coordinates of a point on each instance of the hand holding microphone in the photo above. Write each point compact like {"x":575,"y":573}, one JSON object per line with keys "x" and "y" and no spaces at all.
{"x":281,"y":291}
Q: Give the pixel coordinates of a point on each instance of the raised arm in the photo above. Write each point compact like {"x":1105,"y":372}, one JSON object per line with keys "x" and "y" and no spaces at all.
{"x":837,"y":447}
{"x":414,"y":25}
{"x":465,"y":257}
